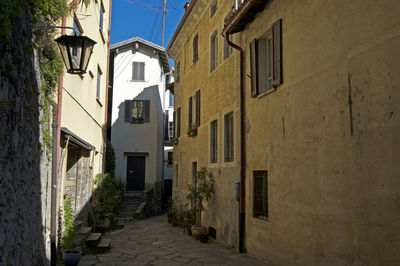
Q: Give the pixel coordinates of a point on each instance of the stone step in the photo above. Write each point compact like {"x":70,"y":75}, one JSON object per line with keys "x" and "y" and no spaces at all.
{"x":103,"y":246}
{"x":84,"y":231}
{"x":78,"y":223}
{"x":93,"y":239}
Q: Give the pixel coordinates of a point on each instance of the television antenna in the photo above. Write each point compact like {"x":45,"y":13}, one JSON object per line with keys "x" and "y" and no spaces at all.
{"x":163,"y":10}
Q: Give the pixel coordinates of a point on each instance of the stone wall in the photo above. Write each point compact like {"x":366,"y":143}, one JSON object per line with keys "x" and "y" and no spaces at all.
{"x":21,"y":238}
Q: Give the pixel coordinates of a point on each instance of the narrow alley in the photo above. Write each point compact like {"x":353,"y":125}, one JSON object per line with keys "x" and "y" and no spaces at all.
{"x":153,"y":241}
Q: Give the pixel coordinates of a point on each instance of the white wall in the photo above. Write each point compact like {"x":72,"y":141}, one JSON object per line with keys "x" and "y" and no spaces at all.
{"x":145,"y":137}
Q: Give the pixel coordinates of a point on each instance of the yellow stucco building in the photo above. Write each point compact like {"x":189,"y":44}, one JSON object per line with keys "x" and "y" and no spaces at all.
{"x":304,"y":112}
{"x":82,"y":107}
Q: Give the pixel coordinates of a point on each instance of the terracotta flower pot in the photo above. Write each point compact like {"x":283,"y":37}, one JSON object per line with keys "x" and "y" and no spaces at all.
{"x":196,"y":231}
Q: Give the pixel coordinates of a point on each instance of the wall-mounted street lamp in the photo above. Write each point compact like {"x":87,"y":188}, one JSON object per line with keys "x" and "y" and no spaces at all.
{"x":76,"y":52}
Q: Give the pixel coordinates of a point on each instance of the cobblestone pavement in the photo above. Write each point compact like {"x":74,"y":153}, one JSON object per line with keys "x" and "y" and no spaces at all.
{"x":155,"y":242}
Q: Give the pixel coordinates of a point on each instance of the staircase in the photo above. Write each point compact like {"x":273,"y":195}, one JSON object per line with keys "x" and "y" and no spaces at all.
{"x":94,"y":243}
{"x":134,"y":205}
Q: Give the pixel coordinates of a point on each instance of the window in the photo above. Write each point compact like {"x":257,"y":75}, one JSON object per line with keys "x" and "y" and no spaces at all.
{"x":171,"y":99}
{"x":176,"y":175}
{"x":198,"y":108}
{"x":170,"y":129}
{"x":170,"y":158}
{"x":166,"y":126}
{"x":214,"y":141}
{"x":178,"y":72}
{"x":137,"y":111}
{"x":190,"y":111}
{"x":228,"y":137}
{"x":265,"y":60}
{"x":213,"y":9}
{"x":98,"y":83}
{"x":178,"y":122}
{"x":227,"y":47}
{"x":213,"y":51}
{"x":138,"y":71}
{"x":195,"y":48}
{"x":260,"y":194}
{"x":101,"y":16}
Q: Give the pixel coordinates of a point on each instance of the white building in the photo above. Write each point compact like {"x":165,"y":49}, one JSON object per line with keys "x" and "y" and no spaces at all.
{"x":140,"y":106}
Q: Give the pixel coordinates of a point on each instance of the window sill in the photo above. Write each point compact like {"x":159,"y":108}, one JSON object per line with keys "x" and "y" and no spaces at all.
{"x":138,"y":122}
{"x":266,"y":93}
{"x":261,"y":218}
{"x":133,"y":80}
{"x":192,"y":134}
{"x":99,"y":102}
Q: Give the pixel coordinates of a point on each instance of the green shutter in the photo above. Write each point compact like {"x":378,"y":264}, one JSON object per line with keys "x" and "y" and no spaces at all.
{"x":277,"y":52}
{"x":128,"y":110}
{"x":254,"y":67}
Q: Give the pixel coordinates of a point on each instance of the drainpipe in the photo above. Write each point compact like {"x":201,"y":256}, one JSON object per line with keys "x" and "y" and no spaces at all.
{"x":242,"y":148}
{"x":53,"y":205}
{"x":54,"y":165}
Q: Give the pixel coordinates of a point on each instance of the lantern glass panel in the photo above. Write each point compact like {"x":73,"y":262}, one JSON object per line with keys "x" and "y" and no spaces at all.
{"x":64,"y":55}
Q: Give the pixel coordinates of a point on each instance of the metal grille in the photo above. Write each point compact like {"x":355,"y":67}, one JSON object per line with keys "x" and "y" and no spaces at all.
{"x":260,"y":190}
{"x":214,"y":141}
{"x":228,"y":150}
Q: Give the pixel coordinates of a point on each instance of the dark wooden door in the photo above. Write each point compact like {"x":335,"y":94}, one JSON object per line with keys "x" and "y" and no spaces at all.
{"x":135,"y":173}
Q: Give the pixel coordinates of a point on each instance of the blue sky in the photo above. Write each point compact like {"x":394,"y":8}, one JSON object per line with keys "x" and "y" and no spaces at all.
{"x":132,"y":18}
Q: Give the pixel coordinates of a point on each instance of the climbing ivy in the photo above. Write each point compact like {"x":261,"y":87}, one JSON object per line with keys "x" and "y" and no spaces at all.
{"x":40,"y":12}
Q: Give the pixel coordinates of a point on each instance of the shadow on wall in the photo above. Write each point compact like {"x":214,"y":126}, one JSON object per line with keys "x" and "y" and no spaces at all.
{"x":21,"y":233}
{"x":127,"y":138}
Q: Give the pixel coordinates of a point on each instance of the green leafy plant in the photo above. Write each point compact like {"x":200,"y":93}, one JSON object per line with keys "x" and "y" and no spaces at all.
{"x":68,"y":239}
{"x":110,"y":159}
{"x":174,"y":140}
{"x":201,"y":192}
{"x":107,"y":195}
{"x":192,"y":130}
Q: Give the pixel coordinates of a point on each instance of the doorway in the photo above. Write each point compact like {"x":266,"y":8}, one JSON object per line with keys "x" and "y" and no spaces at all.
{"x":135,"y":173}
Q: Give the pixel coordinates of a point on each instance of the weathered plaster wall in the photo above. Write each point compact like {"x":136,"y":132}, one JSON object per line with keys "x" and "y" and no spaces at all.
{"x":219,"y":91}
{"x":21,"y":238}
{"x":333,"y":195}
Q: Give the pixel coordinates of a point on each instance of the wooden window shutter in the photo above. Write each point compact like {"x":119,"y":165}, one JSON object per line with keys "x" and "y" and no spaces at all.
{"x":138,"y":71}
{"x":173,"y":124}
{"x":178,"y":119}
{"x":198,"y":108}
{"x":166,"y":117}
{"x":254,"y":67}
{"x":146,"y":104}
{"x":190,"y":111}
{"x":195,"y":48}
{"x":260,"y":190}
{"x":141,"y":71}
{"x":128,"y":110}
{"x":277,"y":52}
{"x":135,"y":71}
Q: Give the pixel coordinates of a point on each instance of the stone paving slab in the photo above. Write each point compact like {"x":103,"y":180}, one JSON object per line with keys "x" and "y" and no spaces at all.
{"x":152,"y":242}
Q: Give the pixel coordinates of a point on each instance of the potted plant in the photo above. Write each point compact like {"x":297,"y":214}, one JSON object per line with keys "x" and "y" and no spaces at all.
{"x":199,"y":193}
{"x":189,"y":221}
{"x":203,"y":235}
{"x":174,"y":141}
{"x":172,"y":210}
{"x":192,"y":130}
{"x":71,"y":250}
